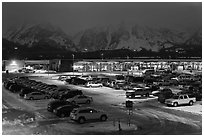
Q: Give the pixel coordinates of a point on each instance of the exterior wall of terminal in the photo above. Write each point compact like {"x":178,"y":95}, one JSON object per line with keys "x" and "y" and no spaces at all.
{"x":66,"y":65}
{"x":135,"y":65}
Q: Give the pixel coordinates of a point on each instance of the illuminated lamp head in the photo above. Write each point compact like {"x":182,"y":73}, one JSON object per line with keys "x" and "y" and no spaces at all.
{"x":13,"y":63}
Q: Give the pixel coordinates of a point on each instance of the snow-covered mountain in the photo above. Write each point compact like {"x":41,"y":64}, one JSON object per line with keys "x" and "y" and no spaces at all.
{"x":35,"y":34}
{"x":135,"y":38}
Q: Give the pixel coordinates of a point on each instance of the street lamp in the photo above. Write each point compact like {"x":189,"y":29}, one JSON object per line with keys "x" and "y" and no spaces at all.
{"x":73,"y":63}
{"x":102,"y":56}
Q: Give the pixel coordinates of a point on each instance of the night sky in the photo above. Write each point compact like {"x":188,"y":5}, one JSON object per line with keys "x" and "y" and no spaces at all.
{"x":74,"y":17}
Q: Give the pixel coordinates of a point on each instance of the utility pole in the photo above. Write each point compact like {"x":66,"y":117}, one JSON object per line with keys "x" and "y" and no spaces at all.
{"x":102,"y":56}
{"x":73,"y":63}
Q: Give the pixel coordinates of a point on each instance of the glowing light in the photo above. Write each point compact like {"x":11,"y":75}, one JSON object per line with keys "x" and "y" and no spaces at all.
{"x":13,"y":63}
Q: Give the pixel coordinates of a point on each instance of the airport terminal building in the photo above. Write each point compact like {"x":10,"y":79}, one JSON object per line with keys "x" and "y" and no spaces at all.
{"x":90,"y":65}
{"x":136,"y":64}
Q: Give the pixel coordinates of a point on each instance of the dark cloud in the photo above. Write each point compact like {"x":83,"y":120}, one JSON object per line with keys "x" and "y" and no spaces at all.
{"x":73,"y":17}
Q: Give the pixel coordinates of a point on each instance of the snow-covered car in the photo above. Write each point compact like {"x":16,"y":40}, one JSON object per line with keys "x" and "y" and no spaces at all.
{"x":85,"y":77}
{"x":87,"y":113}
{"x":80,"y":99}
{"x":93,"y":84}
{"x":62,"y":78}
{"x":40,"y":71}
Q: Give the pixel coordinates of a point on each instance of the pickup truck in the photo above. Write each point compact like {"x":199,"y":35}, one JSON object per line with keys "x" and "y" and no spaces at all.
{"x":180,"y":100}
{"x":138,"y":91}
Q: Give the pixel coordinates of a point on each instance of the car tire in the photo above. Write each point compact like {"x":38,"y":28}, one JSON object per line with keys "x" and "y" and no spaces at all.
{"x":147,"y":94}
{"x":81,"y":120}
{"x":175,"y":104}
{"x":191,"y":103}
{"x":73,"y":102}
{"x":62,"y":115}
{"x":103,"y":118}
{"x":88,"y":102}
{"x":31,"y":98}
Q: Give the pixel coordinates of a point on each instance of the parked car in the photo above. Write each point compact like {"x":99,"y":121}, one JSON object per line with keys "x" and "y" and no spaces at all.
{"x":82,"y":114}
{"x":91,"y":84}
{"x":138,"y":91}
{"x":36,"y":95}
{"x":85,"y":77}
{"x":57,"y":92}
{"x":165,"y":94}
{"x":29,"y":71}
{"x":8,"y":84}
{"x":64,"y":77}
{"x":70,"y":94}
{"x":55,"y":104}
{"x":161,"y":91}
{"x":25,"y":90}
{"x":180,"y":100}
{"x":78,"y":81}
{"x":64,"y":111}
{"x":197,"y":93}
{"x":120,"y":85}
{"x":80,"y":99}
{"x":130,"y":86}
{"x":15,"y":88}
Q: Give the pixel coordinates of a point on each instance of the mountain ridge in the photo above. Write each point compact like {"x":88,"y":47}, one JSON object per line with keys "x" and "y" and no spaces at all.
{"x":135,"y":38}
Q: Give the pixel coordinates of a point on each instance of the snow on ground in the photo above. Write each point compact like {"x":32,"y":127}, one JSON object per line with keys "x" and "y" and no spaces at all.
{"x":103,"y":127}
{"x":118,"y":96}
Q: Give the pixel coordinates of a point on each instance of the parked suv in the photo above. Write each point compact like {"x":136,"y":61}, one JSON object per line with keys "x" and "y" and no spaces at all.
{"x":138,"y":91}
{"x":80,"y":99}
{"x":25,"y":90}
{"x":55,"y":104}
{"x":70,"y":94}
{"x":165,"y":94}
{"x":64,"y":111}
{"x":82,"y":114}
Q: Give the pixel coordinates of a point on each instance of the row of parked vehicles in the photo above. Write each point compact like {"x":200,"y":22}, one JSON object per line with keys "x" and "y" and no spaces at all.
{"x":30,"y":89}
{"x":76,"y":112}
{"x":66,"y":101}
{"x":156,"y":83}
{"x":127,"y":81}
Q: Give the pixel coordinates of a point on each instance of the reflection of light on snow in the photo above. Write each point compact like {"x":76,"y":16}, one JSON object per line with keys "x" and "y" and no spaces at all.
{"x":13,"y":63}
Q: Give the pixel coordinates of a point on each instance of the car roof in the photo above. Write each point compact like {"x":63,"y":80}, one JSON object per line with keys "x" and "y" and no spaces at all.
{"x":84,"y":108}
{"x":81,"y":95}
{"x":130,"y":91}
{"x":35,"y":92}
{"x":137,"y":88}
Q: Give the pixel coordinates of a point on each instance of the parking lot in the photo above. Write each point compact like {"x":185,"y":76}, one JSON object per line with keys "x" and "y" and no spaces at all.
{"x":148,"y":116}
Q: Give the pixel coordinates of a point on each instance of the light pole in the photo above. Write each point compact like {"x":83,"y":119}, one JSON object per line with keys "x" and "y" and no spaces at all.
{"x":102,"y":60}
{"x":102,"y":56}
{"x":73,"y":63}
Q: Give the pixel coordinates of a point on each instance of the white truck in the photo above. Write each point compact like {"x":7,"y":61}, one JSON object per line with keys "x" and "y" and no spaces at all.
{"x":180,"y":100}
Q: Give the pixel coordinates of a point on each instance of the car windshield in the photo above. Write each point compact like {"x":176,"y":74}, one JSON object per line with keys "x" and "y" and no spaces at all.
{"x":175,"y":97}
{"x":74,"y":110}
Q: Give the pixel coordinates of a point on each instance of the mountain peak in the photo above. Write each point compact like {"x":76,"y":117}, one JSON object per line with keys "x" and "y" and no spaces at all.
{"x":110,"y":37}
{"x":33,"y":34}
